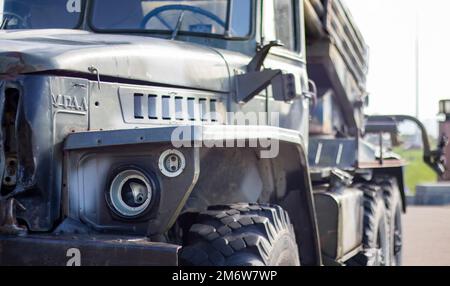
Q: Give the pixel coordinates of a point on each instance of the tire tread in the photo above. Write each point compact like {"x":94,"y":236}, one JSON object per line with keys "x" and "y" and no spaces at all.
{"x":224,"y":231}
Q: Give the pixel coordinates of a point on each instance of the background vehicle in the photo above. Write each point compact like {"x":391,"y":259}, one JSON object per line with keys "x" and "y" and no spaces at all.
{"x":89,"y":111}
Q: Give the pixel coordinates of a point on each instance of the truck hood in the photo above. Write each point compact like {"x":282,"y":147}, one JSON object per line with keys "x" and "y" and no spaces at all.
{"x":119,"y":56}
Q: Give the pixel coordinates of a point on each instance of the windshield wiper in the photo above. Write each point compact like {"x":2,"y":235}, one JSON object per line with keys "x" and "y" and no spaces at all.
{"x":178,"y":26}
{"x":4,"y":24}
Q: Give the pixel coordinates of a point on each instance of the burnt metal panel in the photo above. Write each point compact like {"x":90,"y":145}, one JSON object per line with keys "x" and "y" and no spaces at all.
{"x":40,"y":250}
{"x":164,"y":134}
{"x":48,"y":109}
{"x":90,"y":171}
{"x":97,"y":139}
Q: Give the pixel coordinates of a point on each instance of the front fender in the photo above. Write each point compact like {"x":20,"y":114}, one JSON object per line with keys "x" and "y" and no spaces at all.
{"x":216,"y":169}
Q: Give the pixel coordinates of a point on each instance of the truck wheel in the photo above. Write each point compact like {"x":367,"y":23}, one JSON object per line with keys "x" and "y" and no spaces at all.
{"x":241,"y":235}
{"x":375,"y":231}
{"x":393,"y":203}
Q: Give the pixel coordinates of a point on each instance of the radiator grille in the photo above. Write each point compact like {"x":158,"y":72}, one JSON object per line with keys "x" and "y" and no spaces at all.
{"x":158,"y":107}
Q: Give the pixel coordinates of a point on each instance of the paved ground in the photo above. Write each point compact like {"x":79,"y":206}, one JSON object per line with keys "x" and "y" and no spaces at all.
{"x":427,"y":236}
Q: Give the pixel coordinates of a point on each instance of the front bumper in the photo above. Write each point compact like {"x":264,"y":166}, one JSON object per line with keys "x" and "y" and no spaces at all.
{"x":85,"y":251}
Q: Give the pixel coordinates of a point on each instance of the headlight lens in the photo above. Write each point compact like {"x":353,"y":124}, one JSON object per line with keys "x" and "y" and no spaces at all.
{"x":130,"y":193}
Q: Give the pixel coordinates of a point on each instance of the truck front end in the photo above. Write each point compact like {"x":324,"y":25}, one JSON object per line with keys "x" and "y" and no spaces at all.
{"x":115,"y":118}
{"x":93,"y":200}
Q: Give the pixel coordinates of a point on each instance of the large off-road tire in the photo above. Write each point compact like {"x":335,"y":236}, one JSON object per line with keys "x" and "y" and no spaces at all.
{"x":392,"y":198}
{"x":241,"y":235}
{"x":375,"y":231}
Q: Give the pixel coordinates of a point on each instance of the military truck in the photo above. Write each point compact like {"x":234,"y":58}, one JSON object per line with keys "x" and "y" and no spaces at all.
{"x":202,"y":132}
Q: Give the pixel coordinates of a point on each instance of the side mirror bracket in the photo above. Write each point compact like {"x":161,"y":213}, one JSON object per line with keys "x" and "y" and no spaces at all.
{"x":255,"y":80}
{"x":262,"y":52}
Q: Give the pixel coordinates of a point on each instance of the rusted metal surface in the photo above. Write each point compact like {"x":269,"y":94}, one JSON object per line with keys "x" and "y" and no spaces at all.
{"x":8,"y":219}
{"x":94,"y":250}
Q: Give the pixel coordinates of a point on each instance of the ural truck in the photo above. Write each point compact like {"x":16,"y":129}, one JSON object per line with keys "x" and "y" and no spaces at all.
{"x":202,"y":132}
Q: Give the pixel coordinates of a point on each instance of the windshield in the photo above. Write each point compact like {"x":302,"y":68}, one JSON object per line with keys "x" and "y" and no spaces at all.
{"x":40,"y":14}
{"x":230,"y":18}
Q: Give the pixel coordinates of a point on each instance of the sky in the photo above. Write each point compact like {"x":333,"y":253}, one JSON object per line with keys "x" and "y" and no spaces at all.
{"x":389,"y":28}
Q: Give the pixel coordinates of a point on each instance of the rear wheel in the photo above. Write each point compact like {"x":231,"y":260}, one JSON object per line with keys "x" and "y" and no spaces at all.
{"x":393,"y":203}
{"x":241,"y":235}
{"x":376,"y":246}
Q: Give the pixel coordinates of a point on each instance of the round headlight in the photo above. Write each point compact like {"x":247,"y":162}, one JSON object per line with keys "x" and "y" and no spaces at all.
{"x":130,"y":193}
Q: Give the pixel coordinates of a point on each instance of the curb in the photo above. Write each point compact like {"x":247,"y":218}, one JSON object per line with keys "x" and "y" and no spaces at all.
{"x":437,"y":194}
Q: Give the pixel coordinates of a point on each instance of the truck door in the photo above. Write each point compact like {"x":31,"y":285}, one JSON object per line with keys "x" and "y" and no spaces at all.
{"x":283,"y":20}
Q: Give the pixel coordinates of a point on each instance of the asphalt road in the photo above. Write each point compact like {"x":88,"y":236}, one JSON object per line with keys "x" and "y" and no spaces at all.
{"x":427,"y":236}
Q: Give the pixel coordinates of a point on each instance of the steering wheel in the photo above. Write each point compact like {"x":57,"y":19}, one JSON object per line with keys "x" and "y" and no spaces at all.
{"x":21,"y":20}
{"x":197,"y":10}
